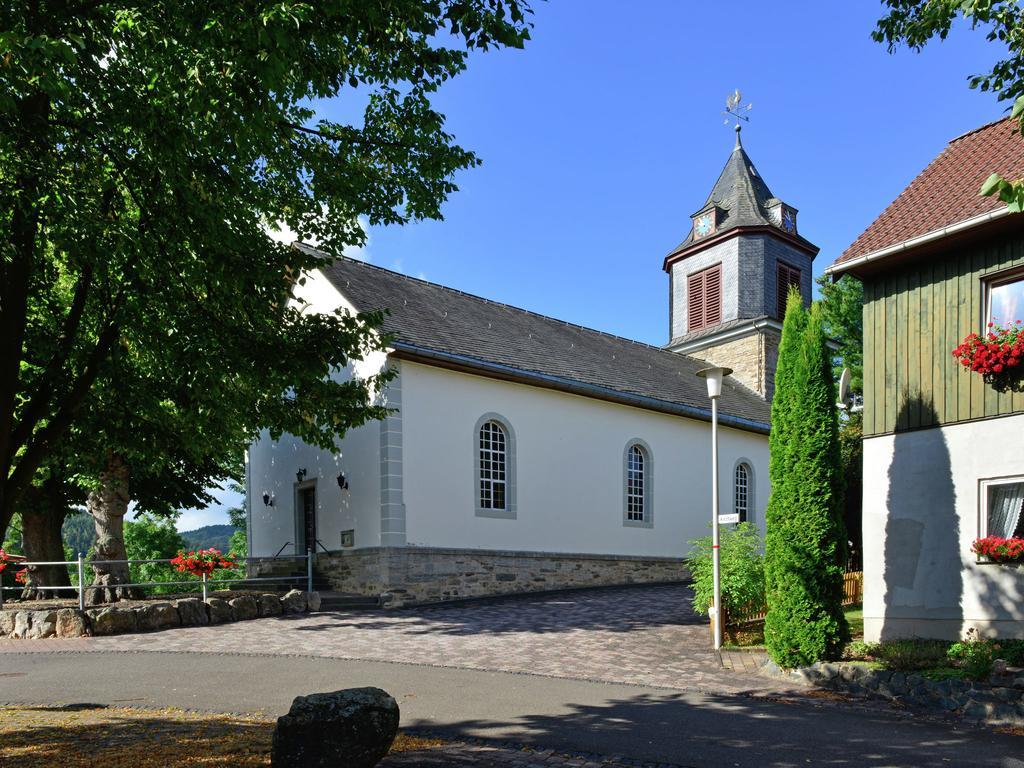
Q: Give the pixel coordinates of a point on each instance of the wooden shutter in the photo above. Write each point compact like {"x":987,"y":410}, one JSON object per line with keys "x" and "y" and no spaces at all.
{"x":695,"y":301}
{"x":713,"y":296}
{"x":704,"y":298}
{"x":785,"y":277}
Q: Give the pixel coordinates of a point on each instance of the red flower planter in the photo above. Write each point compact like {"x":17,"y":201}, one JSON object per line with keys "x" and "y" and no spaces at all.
{"x":997,"y":355}
{"x":996,"y":549}
{"x":202,"y":561}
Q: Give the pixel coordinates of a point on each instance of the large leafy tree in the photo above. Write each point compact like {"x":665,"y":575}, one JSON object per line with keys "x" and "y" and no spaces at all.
{"x":915,"y":22}
{"x":144,"y":148}
{"x":805,"y":540}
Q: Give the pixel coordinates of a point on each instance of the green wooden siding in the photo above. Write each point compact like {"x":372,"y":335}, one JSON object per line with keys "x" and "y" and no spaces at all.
{"x":913,"y":317}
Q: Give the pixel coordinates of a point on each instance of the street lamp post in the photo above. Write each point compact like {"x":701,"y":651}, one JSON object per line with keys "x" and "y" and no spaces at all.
{"x":714,"y":377}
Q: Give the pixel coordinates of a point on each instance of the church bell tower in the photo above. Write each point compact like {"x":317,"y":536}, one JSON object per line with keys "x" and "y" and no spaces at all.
{"x":730,"y":277}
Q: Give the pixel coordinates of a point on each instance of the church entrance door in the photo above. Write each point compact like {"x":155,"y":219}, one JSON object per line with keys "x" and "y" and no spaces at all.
{"x":305,"y":518}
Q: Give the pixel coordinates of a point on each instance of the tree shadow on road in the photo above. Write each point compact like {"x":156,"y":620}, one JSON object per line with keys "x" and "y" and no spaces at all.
{"x":709,"y":730}
{"x":624,"y":609}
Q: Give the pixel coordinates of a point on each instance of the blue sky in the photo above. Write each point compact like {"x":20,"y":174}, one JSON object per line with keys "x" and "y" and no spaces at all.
{"x":605,"y":133}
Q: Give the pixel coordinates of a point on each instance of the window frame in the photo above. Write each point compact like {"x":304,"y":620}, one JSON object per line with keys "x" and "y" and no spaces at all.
{"x":706,"y":319}
{"x":648,"y":484}
{"x":988,"y":282}
{"x":509,"y":511}
{"x":751,"y":475}
{"x":984,"y":484}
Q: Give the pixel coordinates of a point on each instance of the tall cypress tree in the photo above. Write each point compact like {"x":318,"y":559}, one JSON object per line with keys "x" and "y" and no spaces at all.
{"x":805,"y":544}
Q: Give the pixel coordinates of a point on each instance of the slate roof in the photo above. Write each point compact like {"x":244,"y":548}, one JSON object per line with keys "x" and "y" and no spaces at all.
{"x":742,"y":196}
{"x":946,"y":192}
{"x":716,"y":330}
{"x":431,"y":318}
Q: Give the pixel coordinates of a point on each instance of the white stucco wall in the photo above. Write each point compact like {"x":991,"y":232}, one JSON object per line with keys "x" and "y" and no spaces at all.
{"x":569,"y":468}
{"x":273,"y":464}
{"x":921,"y":514}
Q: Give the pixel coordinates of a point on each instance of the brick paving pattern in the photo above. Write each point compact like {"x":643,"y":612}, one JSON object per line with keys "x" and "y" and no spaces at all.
{"x":640,"y":635}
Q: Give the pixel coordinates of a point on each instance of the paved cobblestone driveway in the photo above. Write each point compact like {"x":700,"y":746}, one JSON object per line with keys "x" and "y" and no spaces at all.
{"x":641,"y":635}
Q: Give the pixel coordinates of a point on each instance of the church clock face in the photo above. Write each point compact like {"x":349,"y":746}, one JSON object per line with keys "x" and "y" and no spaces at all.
{"x":703,"y":225}
{"x":789,"y":220}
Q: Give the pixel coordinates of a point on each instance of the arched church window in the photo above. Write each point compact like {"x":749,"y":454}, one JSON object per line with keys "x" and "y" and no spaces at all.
{"x":741,"y":502}
{"x":637,"y":484}
{"x":493,"y":466}
{"x":635,"y":462}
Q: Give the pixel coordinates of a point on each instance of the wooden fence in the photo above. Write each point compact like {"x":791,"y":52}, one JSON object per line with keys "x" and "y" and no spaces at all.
{"x":853,"y":594}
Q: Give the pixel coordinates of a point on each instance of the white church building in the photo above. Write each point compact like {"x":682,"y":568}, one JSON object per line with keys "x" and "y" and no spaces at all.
{"x":525,"y":453}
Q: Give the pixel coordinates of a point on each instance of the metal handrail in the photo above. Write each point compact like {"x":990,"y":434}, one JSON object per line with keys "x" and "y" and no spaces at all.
{"x":282,"y":548}
{"x":325,"y":549}
{"x":82,"y":587}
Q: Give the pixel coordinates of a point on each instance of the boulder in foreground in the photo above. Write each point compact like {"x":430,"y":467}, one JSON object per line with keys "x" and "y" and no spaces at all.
{"x":352,"y":728}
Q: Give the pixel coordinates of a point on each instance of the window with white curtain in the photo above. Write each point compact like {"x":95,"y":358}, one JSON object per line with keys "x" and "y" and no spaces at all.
{"x":1002,"y":502}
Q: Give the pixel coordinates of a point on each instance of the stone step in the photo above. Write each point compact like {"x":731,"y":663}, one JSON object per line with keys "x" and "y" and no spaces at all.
{"x":342,"y":601}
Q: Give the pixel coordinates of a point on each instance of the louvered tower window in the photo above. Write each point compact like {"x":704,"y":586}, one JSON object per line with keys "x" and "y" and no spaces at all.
{"x":785,"y":277}
{"x":704,"y":298}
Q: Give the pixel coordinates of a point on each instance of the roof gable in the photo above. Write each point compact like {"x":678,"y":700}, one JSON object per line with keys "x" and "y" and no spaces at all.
{"x":945,"y":193}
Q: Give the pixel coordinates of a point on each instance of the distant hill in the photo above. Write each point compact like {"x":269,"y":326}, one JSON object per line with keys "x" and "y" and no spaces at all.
{"x":78,"y":532}
{"x":215,"y":536}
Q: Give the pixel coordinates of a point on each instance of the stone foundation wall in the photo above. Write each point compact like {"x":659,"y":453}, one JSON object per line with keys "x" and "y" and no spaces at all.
{"x":118,"y":620}
{"x":406,"y":575}
{"x":999,"y":703}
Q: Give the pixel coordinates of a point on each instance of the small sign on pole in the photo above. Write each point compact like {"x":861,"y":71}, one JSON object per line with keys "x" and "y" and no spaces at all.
{"x":733,"y":517}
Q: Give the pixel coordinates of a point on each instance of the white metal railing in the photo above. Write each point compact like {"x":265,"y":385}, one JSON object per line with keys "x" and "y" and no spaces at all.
{"x":81,"y":588}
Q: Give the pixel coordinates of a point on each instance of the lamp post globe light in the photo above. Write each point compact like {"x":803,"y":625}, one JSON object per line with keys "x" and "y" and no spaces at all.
{"x":714,"y":376}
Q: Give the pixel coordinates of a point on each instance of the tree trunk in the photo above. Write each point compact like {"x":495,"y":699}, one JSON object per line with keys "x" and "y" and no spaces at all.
{"x":42,"y":514}
{"x":108,"y":504}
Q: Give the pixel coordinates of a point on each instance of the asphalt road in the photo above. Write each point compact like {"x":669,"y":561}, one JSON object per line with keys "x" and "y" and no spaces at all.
{"x":680,"y":727}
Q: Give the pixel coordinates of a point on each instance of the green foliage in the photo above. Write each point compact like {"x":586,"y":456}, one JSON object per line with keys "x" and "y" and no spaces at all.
{"x":144,"y":151}
{"x":842,"y":313}
{"x":741,"y":569}
{"x":151,"y":538}
{"x":805,"y":546}
{"x":975,"y":655}
{"x":901,"y":655}
{"x":915,"y":22}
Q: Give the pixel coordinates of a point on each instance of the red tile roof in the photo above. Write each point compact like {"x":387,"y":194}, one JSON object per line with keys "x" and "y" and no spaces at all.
{"x":946,"y":192}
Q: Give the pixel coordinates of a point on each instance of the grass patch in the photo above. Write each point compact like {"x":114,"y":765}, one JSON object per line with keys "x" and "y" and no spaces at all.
{"x":89,"y":735}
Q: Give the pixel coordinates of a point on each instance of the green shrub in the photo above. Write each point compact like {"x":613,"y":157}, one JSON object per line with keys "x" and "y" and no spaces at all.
{"x":902,"y":655}
{"x":742,"y":569}
{"x":805,"y":547}
{"x":974,"y":655}
{"x":1012,"y":651}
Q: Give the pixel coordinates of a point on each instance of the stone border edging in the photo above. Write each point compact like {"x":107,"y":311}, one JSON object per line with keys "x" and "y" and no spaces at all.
{"x":184,"y":612}
{"x":981,"y":702}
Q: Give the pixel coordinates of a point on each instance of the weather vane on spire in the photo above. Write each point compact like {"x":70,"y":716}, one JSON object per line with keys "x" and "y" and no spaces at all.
{"x":734,"y":110}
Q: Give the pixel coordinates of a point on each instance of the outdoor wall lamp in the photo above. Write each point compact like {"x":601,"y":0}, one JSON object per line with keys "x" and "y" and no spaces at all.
{"x":300,"y":474}
{"x":342,"y":482}
{"x":268,"y":499}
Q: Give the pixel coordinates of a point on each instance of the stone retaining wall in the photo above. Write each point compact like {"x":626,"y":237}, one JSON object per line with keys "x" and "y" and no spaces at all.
{"x":992,"y":704}
{"x":117,"y":620}
{"x":408,"y":575}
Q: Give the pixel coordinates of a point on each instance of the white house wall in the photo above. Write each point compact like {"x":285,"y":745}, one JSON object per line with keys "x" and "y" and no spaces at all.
{"x":569,"y":469}
{"x":273,"y":465}
{"x":921,"y":514}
